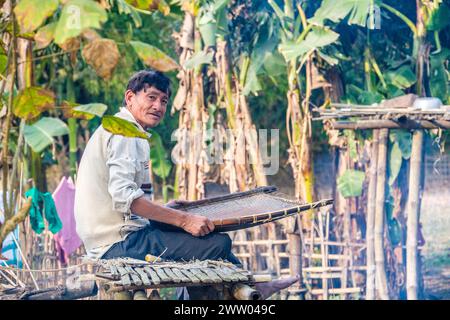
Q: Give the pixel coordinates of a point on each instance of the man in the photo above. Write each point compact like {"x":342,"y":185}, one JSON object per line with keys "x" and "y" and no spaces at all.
{"x":112,"y":207}
{"x":111,"y":210}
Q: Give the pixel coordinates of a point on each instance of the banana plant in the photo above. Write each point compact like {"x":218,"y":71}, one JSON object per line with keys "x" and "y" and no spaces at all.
{"x":299,"y":40}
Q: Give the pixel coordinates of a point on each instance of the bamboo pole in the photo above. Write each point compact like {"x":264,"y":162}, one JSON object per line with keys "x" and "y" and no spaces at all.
{"x":324,"y":254}
{"x":381,"y":279}
{"x":413,"y":212}
{"x":391,"y":124}
{"x":244,"y":292}
{"x":370,"y":251}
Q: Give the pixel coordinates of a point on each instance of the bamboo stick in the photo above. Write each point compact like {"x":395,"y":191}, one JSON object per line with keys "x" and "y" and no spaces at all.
{"x":370,"y":225}
{"x":324,"y":258}
{"x":143,"y":276}
{"x":153,"y":275}
{"x":180,"y":275}
{"x":391,"y":124}
{"x":336,"y":291}
{"x":191,"y":276}
{"x":162,"y":275}
{"x":413,"y":212}
{"x":381,"y":279}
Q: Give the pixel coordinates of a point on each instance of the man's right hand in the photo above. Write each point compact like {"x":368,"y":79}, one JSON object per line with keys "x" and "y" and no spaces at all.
{"x":196,"y":225}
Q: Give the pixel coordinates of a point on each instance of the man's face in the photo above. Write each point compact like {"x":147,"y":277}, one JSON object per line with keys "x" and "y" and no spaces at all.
{"x":148,"y":106}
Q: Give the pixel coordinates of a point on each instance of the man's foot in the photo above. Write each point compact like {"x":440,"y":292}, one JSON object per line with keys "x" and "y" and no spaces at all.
{"x":269,"y":288}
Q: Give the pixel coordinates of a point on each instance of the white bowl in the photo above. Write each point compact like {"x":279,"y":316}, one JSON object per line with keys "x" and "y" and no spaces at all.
{"x":427,"y":103}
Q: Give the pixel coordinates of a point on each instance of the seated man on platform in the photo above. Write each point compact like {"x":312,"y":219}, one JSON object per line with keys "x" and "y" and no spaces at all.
{"x":112,"y":203}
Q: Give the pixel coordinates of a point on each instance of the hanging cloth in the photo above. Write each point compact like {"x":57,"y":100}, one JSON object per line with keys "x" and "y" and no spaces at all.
{"x":67,"y":239}
{"x":43,"y":202}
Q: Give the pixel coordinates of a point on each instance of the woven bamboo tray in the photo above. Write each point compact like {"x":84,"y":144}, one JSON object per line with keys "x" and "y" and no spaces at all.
{"x":246,"y":209}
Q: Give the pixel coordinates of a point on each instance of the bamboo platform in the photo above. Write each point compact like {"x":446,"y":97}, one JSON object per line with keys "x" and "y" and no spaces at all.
{"x":358,"y":117}
{"x":128,"y":274}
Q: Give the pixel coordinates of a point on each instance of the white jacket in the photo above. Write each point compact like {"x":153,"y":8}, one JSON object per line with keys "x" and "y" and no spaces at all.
{"x":111,"y":172}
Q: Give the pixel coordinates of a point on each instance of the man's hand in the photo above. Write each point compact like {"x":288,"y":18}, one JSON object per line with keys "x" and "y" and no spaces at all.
{"x":198,"y":226}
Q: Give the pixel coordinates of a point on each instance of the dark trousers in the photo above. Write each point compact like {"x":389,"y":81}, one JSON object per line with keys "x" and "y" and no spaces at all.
{"x":176,"y":245}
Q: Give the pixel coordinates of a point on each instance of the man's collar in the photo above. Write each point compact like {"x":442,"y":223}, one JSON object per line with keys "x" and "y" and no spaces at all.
{"x":125,"y":114}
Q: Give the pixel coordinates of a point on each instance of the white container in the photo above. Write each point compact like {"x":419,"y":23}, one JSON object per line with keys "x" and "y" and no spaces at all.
{"x":427,"y":103}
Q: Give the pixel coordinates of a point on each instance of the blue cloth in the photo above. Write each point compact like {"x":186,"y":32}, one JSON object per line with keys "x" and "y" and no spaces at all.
{"x":9,"y":249}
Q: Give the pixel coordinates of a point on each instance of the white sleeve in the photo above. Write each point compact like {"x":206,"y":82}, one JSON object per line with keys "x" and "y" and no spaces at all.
{"x":123,"y":165}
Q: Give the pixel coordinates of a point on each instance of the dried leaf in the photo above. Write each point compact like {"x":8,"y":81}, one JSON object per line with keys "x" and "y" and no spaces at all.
{"x":103,"y":55}
{"x":71,"y":46}
{"x":32,"y":101}
{"x":32,"y":13}
{"x":90,"y":35}
{"x":44,"y":35}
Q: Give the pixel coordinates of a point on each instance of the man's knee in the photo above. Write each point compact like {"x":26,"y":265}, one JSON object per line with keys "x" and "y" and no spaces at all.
{"x":222,"y":244}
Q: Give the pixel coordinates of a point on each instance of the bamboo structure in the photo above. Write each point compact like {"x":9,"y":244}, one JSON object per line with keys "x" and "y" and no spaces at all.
{"x":371,"y":207}
{"x":412,"y":258}
{"x":381,"y":257}
{"x":381,"y":279}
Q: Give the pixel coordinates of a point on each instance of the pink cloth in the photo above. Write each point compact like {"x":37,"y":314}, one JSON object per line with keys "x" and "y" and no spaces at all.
{"x":67,"y":239}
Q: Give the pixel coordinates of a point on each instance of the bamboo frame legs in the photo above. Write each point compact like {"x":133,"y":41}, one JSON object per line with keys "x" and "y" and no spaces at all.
{"x":381,"y":279}
{"x":413,"y":212}
{"x":370,"y":236}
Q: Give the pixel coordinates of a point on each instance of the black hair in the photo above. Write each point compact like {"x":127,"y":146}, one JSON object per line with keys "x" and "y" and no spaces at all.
{"x":148,"y":78}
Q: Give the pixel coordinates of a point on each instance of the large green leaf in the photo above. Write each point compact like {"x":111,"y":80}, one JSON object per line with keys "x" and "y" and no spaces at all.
{"x":262,"y":51}
{"x":318,"y":37}
{"x":439,"y":17}
{"x":350,"y":184}
{"x":198,"y":59}
{"x":40,"y":134}
{"x":125,"y":8}
{"x":207,"y":25}
{"x":439,"y":80}
{"x":32,"y":13}
{"x":119,"y":126}
{"x":3,"y":61}
{"x":158,"y":154}
{"x":395,"y":162}
{"x":404,"y":140}
{"x":357,"y":11}
{"x":76,"y":16}
{"x":403,"y":77}
{"x":153,"y":57}
{"x":32,"y":101}
{"x":275,"y":65}
{"x":89,"y":111}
